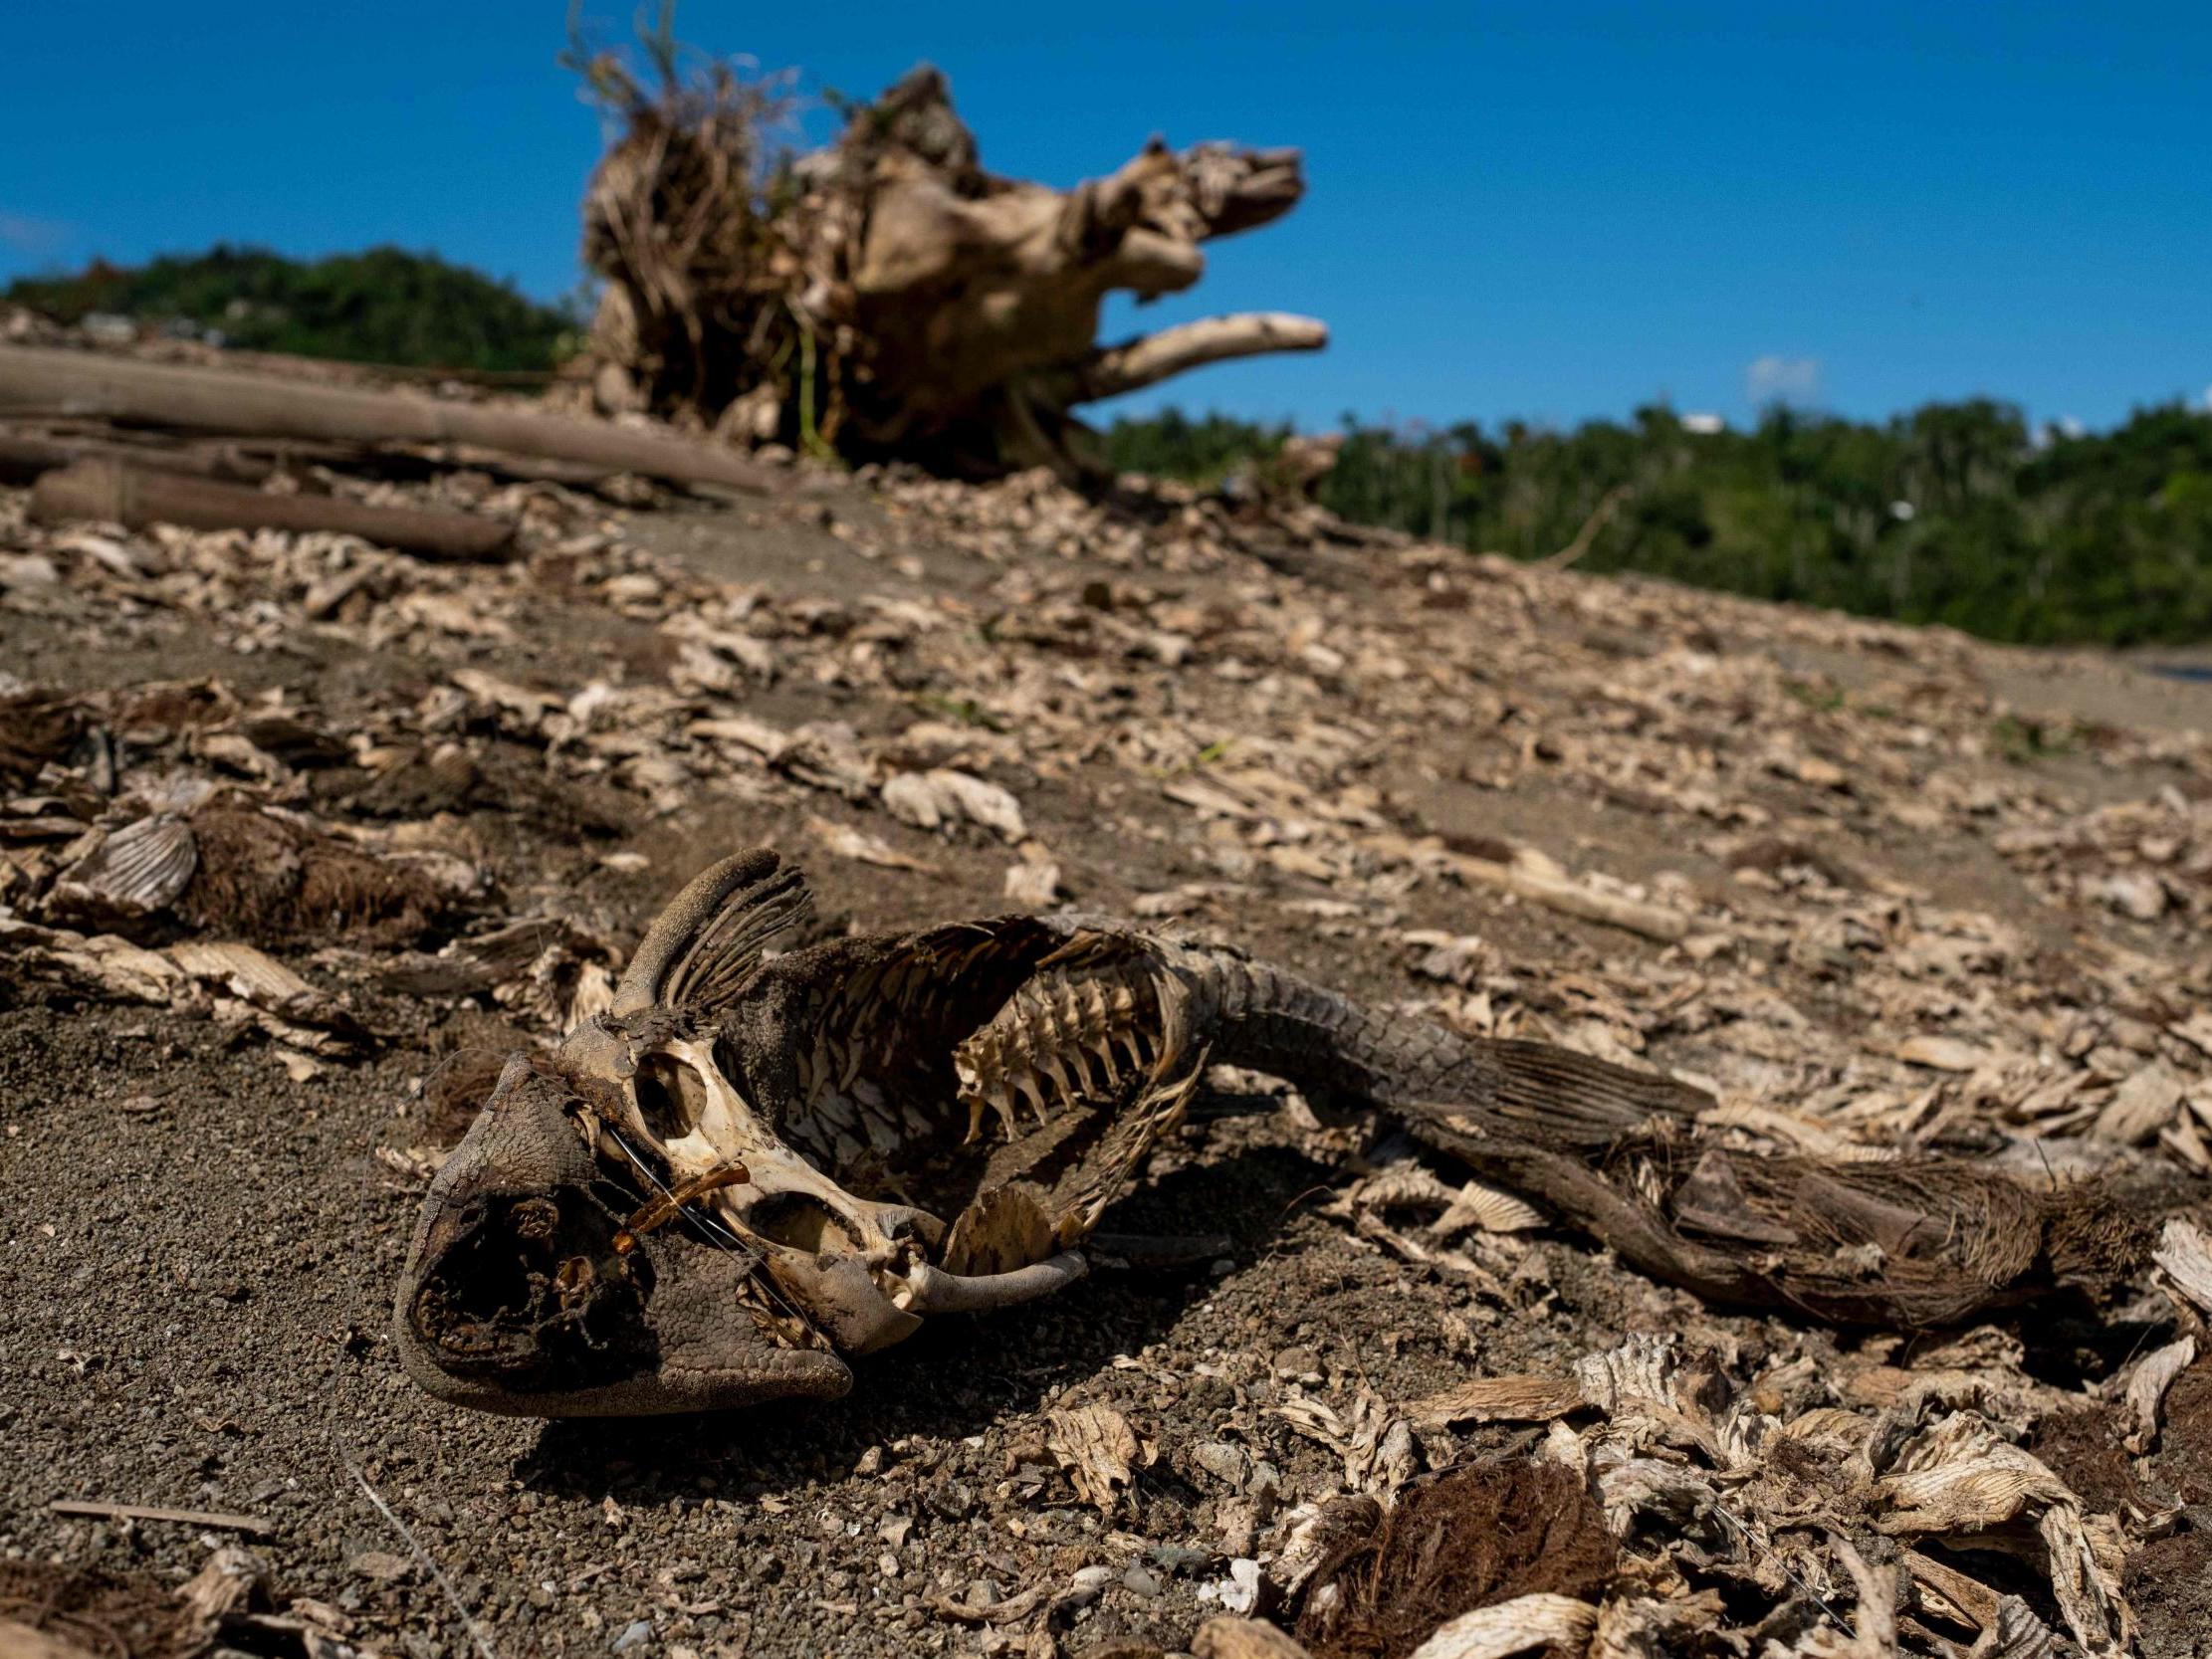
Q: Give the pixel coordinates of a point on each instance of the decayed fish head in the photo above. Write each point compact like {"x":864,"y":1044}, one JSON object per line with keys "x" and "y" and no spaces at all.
{"x":528,"y":1291}
{"x":623,"y":1231}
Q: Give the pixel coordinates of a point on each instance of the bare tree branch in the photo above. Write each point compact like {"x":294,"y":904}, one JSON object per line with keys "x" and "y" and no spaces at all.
{"x":1150,"y":358}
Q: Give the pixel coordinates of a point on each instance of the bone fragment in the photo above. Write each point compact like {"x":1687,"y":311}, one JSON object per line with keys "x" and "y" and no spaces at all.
{"x":939,"y":1291}
{"x":1011,"y":1610}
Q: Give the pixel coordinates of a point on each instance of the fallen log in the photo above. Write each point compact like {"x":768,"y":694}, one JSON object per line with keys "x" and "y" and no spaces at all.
{"x":134,"y":497}
{"x":26,"y":456}
{"x":86,"y":384}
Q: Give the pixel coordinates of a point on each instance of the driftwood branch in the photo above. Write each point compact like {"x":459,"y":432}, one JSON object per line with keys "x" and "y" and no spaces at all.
{"x":108,"y":491}
{"x":26,"y":456}
{"x":1153,"y":357}
{"x":83,"y":385}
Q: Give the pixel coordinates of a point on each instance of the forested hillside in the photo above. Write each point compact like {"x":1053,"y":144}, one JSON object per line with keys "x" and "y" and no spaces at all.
{"x":1956,"y":513}
{"x":385,"y":306}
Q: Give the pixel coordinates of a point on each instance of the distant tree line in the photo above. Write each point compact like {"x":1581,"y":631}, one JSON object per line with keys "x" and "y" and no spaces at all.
{"x":1956,"y":512}
{"x":385,"y":305}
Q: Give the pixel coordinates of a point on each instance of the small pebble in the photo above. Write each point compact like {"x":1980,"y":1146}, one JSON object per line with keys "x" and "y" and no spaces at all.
{"x":1221,"y":1460}
{"x":635,"y":1632}
{"x":1265,"y":1483}
{"x":952,"y":1500}
{"x":1137,"y":1581}
{"x":380,"y":1564}
{"x":1180,"y":1558}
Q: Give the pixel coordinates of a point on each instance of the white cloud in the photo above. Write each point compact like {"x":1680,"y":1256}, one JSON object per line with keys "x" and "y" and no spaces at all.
{"x":1777,"y":379}
{"x":20,"y":233}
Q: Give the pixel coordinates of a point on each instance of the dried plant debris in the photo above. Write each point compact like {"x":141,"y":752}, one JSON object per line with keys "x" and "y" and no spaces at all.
{"x":1685,"y":1493}
{"x":1863,"y":1531}
{"x":227,"y":1606}
{"x":1457,"y":1542}
{"x":308,"y":834}
{"x":1098,"y":1449}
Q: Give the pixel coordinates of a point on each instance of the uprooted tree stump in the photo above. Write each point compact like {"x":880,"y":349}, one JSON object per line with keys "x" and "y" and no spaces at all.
{"x":885,"y":296}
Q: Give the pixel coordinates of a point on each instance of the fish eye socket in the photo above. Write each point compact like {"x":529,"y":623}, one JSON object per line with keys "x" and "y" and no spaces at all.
{"x":670,"y":1097}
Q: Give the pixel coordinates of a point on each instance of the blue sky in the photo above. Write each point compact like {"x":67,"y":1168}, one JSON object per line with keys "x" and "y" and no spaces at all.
{"x":1548,"y":212}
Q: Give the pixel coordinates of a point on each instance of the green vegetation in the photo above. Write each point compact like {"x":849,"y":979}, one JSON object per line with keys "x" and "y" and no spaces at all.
{"x":385,"y":306}
{"x":1954,"y":514}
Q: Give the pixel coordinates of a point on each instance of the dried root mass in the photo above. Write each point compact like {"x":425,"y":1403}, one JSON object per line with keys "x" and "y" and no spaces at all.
{"x":888,"y":297}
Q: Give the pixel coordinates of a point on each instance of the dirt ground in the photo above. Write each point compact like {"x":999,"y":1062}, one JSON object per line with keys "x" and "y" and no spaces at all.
{"x":203,"y":1240}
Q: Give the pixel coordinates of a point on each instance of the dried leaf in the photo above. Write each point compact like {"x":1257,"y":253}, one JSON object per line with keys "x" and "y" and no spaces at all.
{"x":1943,"y":1054}
{"x":2142,"y":1106}
{"x":863,"y":848}
{"x":134,"y":872}
{"x":2186,"y":1255}
{"x":2146,"y":1393}
{"x":1097,"y":1448}
{"x":1527,"y":1622}
{"x":941,"y":797}
{"x":1499,"y":1399}
{"x":1491,"y":1208}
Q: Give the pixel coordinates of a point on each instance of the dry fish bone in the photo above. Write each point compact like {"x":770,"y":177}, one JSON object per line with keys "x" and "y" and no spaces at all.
{"x":753,"y":1167}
